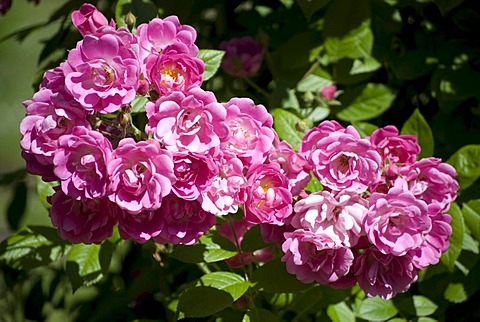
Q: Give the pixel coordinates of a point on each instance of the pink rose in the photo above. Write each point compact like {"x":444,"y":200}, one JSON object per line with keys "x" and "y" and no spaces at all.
{"x":396,"y":222}
{"x":174,"y":70}
{"x":328,"y":92}
{"x":88,"y":19}
{"x":251,"y":130}
{"x":82,"y":221}
{"x":313,"y":136}
{"x":243,"y":56}
{"x":184,"y":222}
{"x":268,"y":198}
{"x":431,"y":180}
{"x":140,"y":227}
{"x":141,"y":174}
{"x":315,"y":257}
{"x":384,"y":275}
{"x":80,"y":163}
{"x":192,"y":121}
{"x":102,"y":71}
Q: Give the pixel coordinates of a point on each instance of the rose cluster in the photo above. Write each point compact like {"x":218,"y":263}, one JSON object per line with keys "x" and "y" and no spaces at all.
{"x":380,"y":218}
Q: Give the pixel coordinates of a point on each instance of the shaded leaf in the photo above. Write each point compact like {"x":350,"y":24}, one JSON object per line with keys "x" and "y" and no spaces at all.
{"x":259,"y":315}
{"x":471,"y":215}
{"x":202,"y":301}
{"x":418,"y":126}
{"x":456,"y":240}
{"x":273,"y":277}
{"x":143,"y":10}
{"x":376,"y":309}
{"x":356,"y":44}
{"x":456,"y":293}
{"x":309,"y":7}
{"x":212,"y":59}
{"x":466,"y":161}
{"x":16,"y":208}
{"x":423,"y":305}
{"x":84,"y":265}
{"x":206,"y":250}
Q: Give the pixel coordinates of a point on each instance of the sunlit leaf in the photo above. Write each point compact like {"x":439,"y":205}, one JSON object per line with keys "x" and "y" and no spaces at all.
{"x":377,"y":309}
{"x":212,"y":59}
{"x":456,"y":240}
{"x":340,"y":312}
{"x":418,"y":126}
{"x":285,"y":124}
{"x":232,"y":283}
{"x":466,"y":161}
{"x":471,"y":214}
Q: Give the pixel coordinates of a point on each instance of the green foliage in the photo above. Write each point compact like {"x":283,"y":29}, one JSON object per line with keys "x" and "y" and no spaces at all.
{"x":212,"y":59}
{"x":418,"y":126}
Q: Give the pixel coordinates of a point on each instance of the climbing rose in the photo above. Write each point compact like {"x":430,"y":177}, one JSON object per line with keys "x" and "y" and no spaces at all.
{"x":88,"y":19}
{"x":243,"y":56}
{"x":140,"y":227}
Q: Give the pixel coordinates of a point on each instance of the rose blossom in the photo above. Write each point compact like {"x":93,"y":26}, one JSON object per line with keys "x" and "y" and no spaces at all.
{"x":315,"y":257}
{"x":328,"y":92}
{"x":88,"y":19}
{"x":140,"y":227}
{"x":431,"y":180}
{"x":227,"y":190}
{"x":243,"y":56}
{"x":174,"y":70}
{"x":82,"y":221}
{"x":80,"y":163}
{"x":268,"y":198}
{"x":102,"y":71}
{"x":338,"y":215}
{"x":48,"y":117}
{"x":384,"y":275}
{"x":251,"y":130}
{"x":194,"y":174}
{"x":192,"y":121}
{"x":341,"y":160}
{"x":141,"y":174}
{"x":184,"y":222}
{"x":396,"y":222}
{"x":314,"y":135}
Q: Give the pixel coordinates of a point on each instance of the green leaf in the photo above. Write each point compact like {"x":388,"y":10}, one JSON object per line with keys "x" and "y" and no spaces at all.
{"x":138,"y":104}
{"x":340,"y":312}
{"x":319,"y":113}
{"x":285,"y":125}
{"x":44,"y":190}
{"x":143,"y":10}
{"x":252,"y":240}
{"x":471,"y":215}
{"x":447,"y":5}
{"x":272,"y":277}
{"x":202,"y":301}
{"x":313,"y":83}
{"x":466,"y":161}
{"x":84,"y":265}
{"x":212,"y":59}
{"x":17,"y":205}
{"x":259,"y":315}
{"x":364,"y":129}
{"x":456,"y":240}
{"x":373,"y":101}
{"x":364,"y":65}
{"x":314,"y":184}
{"x":232,"y":283}
{"x":418,"y":126}
{"x":356,"y":44}
{"x":32,"y":247}
{"x":376,"y":309}
{"x":423,"y":305}
{"x":310,"y":7}
{"x":456,"y":293}
{"x":206,"y":250}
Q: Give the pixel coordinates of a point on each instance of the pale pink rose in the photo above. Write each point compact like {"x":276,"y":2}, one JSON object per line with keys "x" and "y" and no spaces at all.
{"x":156,"y":35}
{"x":341,"y":160}
{"x":316,"y":257}
{"x":252,"y":135}
{"x":328,"y":92}
{"x":174,"y":70}
{"x":268,"y":198}
{"x":141,"y":174}
{"x":339,"y":215}
{"x":314,"y":135}
{"x":431,"y":180}
{"x":102,"y":72}
{"x":140,"y":227}
{"x":82,"y":221}
{"x":88,"y":19}
{"x":194,"y":174}
{"x":294,"y":166}
{"x":243,"y":56}
{"x":227,"y":190}
{"x":436,"y":241}
{"x":184,"y":222}
{"x":192,"y":121}
{"x":396,"y":222}
{"x":48,"y":117}
{"x":384,"y":275}
{"x":80,"y":162}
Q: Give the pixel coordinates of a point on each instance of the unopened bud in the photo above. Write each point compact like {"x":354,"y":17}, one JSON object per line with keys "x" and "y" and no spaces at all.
{"x":123,"y":118}
{"x":303,"y":125}
{"x":130,"y":19}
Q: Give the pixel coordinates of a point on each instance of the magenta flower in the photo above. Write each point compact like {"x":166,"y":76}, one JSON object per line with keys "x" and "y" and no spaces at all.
{"x":80,"y":163}
{"x":384,"y":275}
{"x":315,"y":257}
{"x":82,"y":221}
{"x":88,"y":19}
{"x":48,"y":117}
{"x":141,"y":174}
{"x":431,"y":180}
{"x":184,"y":222}
{"x":192,"y":121}
{"x":227,"y":190}
{"x":102,"y":71}
{"x":328,"y":92}
{"x":142,"y":226}
{"x":268,"y":198}
{"x":174,"y":70}
{"x":341,"y":160}
{"x":396,"y":222}
{"x":243,"y":56}
{"x":251,"y":130}
{"x":314,"y":135}
{"x":339,"y":215}
{"x":155,"y":36}
{"x":194,"y":174}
